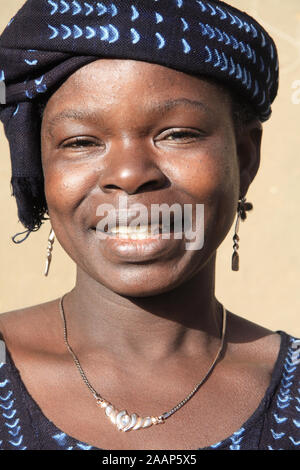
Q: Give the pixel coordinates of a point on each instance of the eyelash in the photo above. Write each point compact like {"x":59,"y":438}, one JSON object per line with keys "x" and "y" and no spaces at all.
{"x":87,"y":143}
{"x":80,"y":143}
{"x":185,"y":134}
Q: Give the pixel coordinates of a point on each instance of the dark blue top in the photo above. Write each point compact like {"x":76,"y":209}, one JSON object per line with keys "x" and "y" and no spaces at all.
{"x":274,"y":425}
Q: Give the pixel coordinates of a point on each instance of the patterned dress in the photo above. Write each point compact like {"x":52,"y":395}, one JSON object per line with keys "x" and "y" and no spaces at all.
{"x":275,"y":425}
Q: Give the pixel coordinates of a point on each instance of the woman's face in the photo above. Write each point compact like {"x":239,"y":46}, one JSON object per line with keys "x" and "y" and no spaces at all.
{"x":153,"y":136}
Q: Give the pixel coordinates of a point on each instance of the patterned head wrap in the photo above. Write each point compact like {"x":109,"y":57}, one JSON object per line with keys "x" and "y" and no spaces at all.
{"x":48,"y":40}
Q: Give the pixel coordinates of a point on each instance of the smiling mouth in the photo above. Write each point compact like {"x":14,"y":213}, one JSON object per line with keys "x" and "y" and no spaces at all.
{"x":141,"y":232}
{"x":137,"y":233}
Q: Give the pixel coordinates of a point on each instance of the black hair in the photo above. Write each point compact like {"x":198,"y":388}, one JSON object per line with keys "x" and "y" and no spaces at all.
{"x":242,"y":113}
{"x":41,"y":105}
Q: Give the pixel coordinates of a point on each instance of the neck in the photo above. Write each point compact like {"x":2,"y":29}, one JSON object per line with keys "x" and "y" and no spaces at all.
{"x":184,"y":320}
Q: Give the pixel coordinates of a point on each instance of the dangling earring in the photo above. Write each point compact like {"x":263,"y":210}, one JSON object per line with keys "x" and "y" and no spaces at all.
{"x":51,"y":239}
{"x":243,"y":207}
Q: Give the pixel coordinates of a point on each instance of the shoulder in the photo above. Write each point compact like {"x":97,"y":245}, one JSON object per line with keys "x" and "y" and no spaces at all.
{"x":31,"y":328}
{"x":249,"y":342}
{"x":258,"y":355}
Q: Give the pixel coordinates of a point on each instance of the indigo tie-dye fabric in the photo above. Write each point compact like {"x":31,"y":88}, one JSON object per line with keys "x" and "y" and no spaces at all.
{"x":275,"y":425}
{"x":47,"y":40}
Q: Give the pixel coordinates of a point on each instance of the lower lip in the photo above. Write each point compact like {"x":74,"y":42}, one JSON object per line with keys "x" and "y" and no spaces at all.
{"x":140,"y":250}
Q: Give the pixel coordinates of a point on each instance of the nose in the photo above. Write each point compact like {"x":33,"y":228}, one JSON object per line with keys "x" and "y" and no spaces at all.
{"x":131,"y":170}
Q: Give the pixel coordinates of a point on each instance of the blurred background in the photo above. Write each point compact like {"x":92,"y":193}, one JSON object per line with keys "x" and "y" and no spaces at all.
{"x":266,"y":289}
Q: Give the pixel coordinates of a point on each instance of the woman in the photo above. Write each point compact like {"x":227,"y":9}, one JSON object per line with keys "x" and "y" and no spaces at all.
{"x":145,"y":104}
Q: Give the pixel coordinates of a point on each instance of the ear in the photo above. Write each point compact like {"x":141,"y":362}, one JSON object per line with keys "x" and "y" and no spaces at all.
{"x":248,"y":151}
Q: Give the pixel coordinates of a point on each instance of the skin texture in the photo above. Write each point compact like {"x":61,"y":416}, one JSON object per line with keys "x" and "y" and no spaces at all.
{"x":145,"y":333}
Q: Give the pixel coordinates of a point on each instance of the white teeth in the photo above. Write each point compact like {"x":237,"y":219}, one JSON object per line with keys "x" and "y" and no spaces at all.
{"x":134,"y":236}
{"x":136,"y":232}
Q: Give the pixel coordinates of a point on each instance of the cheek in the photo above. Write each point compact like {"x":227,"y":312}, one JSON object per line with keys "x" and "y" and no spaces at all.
{"x":66,"y":185}
{"x":212,"y":172}
{"x":213,"y":179}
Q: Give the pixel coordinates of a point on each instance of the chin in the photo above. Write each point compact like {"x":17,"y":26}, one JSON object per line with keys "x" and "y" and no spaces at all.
{"x":138,"y":284}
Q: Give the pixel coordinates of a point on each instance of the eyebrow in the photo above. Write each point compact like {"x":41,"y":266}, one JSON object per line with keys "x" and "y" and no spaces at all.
{"x":170,"y":104}
{"x":164,"y":107}
{"x":72,"y":114}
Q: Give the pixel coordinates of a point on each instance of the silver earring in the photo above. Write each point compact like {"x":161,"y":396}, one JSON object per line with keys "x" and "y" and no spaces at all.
{"x":51,"y":239}
{"x":242,"y":209}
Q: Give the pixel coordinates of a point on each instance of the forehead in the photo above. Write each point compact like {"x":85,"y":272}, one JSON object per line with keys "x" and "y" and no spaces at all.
{"x":138,"y":90}
{"x":109,"y":80}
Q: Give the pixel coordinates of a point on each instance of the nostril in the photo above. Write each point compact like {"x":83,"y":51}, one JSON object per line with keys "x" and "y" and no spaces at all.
{"x":149,"y":186}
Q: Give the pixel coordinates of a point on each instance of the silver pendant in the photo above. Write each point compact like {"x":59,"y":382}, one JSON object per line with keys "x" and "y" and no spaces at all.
{"x":125,"y":421}
{"x":49,"y":251}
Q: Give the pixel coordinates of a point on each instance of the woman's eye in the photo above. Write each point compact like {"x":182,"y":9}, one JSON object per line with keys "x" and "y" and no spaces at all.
{"x":80,"y":143}
{"x":181,"y":136}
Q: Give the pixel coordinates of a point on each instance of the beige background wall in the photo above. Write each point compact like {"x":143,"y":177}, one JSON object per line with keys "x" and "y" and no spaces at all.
{"x":266,"y":289}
